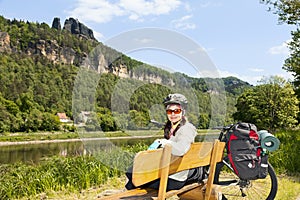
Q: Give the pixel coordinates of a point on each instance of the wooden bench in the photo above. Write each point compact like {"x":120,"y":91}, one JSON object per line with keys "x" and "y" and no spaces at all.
{"x":153,"y":164}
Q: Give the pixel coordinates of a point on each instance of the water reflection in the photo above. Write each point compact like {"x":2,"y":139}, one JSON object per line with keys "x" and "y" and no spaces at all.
{"x":33,"y":153}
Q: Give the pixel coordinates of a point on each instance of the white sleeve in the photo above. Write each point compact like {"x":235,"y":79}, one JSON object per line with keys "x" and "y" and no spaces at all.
{"x":184,"y":137}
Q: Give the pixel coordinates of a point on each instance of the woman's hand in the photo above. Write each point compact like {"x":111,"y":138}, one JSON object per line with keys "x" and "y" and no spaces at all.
{"x":158,"y":143}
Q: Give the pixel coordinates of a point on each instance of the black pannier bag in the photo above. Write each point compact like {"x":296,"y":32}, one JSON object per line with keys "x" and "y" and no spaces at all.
{"x":244,"y":152}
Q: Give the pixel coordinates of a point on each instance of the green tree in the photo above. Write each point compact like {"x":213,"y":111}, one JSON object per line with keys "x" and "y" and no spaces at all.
{"x":10,"y":116}
{"x":50,"y":122}
{"x":33,"y":121}
{"x":203,"y":121}
{"x":26,"y":102}
{"x":288,"y":12}
{"x":106,"y":120}
{"x":138,"y":120}
{"x":271,"y":105}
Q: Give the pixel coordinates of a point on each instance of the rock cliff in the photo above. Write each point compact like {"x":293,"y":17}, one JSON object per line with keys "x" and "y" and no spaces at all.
{"x":4,"y":42}
{"x":56,"y":53}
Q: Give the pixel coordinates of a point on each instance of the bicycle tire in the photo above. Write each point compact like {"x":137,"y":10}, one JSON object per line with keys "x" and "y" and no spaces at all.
{"x":254,"y":189}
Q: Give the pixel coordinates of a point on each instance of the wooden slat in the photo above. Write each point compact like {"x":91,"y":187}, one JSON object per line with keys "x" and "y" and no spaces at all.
{"x":198,"y":155}
{"x":216,"y":153}
{"x":185,"y":189}
{"x":135,"y":194}
{"x":147,"y":163}
{"x":198,"y":193}
{"x":164,"y":171}
{"x":146,"y":166}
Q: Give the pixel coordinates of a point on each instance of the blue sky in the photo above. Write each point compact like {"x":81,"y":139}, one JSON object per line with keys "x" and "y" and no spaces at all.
{"x":240,"y":37}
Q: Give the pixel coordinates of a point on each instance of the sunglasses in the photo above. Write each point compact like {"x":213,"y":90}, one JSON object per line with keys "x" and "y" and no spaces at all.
{"x":176,"y":111}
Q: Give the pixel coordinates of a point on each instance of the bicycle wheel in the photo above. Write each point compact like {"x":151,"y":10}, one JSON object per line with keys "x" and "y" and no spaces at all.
{"x":235,"y":188}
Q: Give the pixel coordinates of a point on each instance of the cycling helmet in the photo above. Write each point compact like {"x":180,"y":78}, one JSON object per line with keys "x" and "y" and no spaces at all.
{"x":176,"y":99}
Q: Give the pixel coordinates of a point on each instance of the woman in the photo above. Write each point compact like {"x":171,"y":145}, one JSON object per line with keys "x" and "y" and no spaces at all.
{"x":180,"y":134}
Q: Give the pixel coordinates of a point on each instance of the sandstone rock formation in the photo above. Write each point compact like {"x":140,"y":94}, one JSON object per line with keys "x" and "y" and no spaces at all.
{"x":4,"y":42}
{"x":56,"y":23}
{"x":77,"y":28}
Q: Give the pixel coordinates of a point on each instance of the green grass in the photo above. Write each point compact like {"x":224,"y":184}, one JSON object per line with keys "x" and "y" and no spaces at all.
{"x":18,"y":137}
{"x":68,"y":174}
{"x":289,"y":187}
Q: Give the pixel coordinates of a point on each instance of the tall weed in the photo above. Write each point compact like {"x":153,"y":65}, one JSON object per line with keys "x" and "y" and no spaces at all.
{"x":64,"y":173}
{"x":286,"y":159}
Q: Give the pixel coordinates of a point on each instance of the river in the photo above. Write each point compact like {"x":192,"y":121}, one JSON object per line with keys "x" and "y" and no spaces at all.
{"x":35,"y":151}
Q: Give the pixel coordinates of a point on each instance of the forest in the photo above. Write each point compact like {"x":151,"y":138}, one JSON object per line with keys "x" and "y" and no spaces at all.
{"x":34,"y":89}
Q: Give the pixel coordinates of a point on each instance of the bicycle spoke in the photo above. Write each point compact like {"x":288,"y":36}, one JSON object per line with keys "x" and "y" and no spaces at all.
{"x":254,"y":190}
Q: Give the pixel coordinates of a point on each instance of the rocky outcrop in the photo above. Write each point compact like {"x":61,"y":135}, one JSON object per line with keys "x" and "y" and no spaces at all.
{"x":55,"y":53}
{"x":4,"y":42}
{"x":56,"y":23}
{"x":101,"y":65}
{"x":75,"y":27}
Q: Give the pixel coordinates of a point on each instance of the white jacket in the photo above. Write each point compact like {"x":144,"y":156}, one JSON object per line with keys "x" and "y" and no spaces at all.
{"x":181,"y":143}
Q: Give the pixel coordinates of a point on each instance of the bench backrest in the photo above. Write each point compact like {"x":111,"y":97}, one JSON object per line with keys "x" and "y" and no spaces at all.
{"x":152,"y":164}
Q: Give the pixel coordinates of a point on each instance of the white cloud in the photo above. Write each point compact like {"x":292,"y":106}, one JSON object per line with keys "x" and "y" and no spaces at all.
{"x":98,"y":35}
{"x":256,"y":69}
{"x":144,"y":8}
{"x":183,"y":23}
{"x":102,"y":11}
{"x":254,"y":80}
{"x":99,"y":11}
{"x":281,"y":49}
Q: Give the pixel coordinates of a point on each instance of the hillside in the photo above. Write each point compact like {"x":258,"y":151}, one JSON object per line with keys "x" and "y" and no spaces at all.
{"x":39,"y":65}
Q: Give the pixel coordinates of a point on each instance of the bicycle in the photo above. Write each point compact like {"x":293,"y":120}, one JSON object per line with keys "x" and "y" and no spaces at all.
{"x":235,"y":188}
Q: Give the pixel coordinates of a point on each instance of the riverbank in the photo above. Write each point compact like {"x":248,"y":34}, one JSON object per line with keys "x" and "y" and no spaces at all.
{"x":55,"y":137}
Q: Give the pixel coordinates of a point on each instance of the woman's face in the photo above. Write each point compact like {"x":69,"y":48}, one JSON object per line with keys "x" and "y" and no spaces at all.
{"x":174,"y":112}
